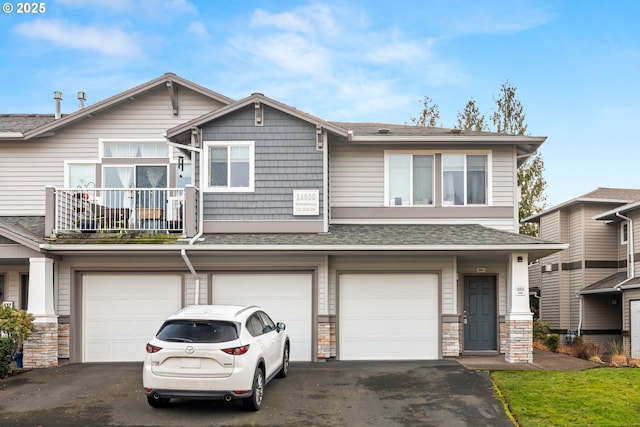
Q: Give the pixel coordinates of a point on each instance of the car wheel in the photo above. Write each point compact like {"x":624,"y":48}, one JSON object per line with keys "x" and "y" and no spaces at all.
{"x":254,"y":402}
{"x":284,"y":371}
{"x":157,"y":402}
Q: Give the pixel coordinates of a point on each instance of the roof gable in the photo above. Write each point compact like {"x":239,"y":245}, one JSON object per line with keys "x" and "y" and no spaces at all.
{"x":168,"y":80}
{"x":177,"y":133}
{"x":600,"y":195}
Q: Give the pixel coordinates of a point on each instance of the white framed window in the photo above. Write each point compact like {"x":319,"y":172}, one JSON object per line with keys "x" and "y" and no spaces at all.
{"x":409,"y":179}
{"x":465,"y":179}
{"x":230,"y":166}
{"x":134,"y":149}
{"x":624,"y":233}
{"x":80,"y":174}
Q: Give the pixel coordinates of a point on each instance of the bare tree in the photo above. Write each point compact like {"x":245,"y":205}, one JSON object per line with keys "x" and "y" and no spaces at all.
{"x":428,"y":115}
{"x":470,"y":118}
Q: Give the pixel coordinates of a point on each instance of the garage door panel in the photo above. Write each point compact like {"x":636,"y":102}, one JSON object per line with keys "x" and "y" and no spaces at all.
{"x":388,"y":316}
{"x":285,"y":297}
{"x":121,"y":313}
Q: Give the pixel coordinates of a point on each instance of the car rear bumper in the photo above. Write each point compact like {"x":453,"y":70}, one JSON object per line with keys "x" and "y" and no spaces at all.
{"x":198,"y":394}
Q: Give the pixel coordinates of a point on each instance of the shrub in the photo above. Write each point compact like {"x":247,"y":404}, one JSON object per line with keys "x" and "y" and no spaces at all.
{"x":588,"y":350}
{"x":552,"y":341}
{"x":15,"y":328}
{"x":540,"y":330}
{"x":634,"y":363}
{"x":616,"y":348}
{"x":619,"y":360}
{"x":6,"y":356}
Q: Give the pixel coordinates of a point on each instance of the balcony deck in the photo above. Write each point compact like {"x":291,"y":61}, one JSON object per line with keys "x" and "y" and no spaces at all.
{"x":117,"y":210}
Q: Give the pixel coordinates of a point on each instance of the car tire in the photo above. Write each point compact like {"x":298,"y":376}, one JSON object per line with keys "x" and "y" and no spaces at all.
{"x":284,"y":371}
{"x":254,"y":402}
{"x":157,"y":401}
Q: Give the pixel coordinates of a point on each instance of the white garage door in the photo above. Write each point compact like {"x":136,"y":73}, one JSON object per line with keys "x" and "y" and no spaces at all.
{"x":388,"y":316}
{"x":285,"y":297}
{"x":121,"y":313}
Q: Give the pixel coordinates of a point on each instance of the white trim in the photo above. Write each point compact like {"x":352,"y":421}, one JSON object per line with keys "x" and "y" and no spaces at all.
{"x":207,"y":163}
{"x":466,"y":153}
{"x":410,"y":153}
{"x":623,"y":240}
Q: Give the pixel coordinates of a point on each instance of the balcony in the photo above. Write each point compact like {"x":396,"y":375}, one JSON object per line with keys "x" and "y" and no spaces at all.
{"x":113,"y":210}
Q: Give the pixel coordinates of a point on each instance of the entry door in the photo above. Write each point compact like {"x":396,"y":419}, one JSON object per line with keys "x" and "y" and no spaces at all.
{"x":635,"y":329}
{"x":480,"y":324}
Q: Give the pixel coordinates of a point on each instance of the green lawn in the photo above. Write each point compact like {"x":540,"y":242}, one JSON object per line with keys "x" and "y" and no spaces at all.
{"x":594,"y":397}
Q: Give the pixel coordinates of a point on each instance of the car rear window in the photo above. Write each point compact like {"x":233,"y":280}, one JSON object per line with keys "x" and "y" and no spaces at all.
{"x":198,"y":331}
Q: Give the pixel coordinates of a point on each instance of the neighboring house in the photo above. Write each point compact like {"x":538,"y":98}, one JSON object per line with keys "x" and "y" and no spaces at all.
{"x":371,"y":241}
{"x":589,"y":289}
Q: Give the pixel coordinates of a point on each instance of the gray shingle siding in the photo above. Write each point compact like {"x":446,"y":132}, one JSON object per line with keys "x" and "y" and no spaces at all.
{"x":286,"y":158}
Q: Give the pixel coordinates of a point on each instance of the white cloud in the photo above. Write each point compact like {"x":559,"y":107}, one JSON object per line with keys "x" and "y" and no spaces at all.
{"x":310,"y":19}
{"x":106,"y":40}
{"x":198,"y":29}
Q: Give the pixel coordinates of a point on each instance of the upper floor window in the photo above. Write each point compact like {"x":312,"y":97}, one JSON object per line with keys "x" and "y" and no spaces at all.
{"x":624,"y":233}
{"x":410,"y":179}
{"x":230,"y":166}
{"x":134,"y":149}
{"x":464,"y":179}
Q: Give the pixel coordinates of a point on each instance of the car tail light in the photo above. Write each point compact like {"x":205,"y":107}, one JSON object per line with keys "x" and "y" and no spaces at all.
{"x":153,"y":348}
{"x":237,"y":351}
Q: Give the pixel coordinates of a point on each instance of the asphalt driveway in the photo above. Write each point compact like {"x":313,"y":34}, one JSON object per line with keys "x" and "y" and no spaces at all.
{"x":413,"y":393}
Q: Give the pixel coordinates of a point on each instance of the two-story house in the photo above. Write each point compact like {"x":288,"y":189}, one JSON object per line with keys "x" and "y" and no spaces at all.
{"x":591,"y":290}
{"x":371,"y":241}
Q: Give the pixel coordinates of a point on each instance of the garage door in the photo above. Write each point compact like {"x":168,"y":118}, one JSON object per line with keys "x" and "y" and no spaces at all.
{"x":388,"y":316}
{"x":285,"y":297}
{"x":121,"y":313}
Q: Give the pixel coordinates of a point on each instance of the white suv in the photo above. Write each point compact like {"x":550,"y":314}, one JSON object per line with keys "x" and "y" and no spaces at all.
{"x":215,"y":352}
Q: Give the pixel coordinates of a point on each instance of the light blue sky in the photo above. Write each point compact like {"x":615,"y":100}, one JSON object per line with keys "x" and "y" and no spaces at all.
{"x":576,"y":64}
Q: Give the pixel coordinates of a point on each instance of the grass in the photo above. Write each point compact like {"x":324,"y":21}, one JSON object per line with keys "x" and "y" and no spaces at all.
{"x":593,"y":397}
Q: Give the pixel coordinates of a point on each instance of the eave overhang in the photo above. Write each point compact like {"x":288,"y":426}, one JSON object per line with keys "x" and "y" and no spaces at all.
{"x":176,"y":134}
{"x":126,"y":96}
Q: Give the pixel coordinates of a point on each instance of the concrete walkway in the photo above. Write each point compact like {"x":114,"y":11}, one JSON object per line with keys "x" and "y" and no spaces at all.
{"x":542,"y":361}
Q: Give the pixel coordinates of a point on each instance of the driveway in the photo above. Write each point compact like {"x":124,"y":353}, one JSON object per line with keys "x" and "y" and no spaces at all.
{"x":412,"y":393}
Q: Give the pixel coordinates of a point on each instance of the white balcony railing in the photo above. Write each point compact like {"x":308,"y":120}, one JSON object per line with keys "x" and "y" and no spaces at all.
{"x":118,"y":210}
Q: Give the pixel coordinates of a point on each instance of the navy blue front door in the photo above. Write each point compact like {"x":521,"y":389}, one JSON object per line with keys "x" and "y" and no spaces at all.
{"x":480,"y":313}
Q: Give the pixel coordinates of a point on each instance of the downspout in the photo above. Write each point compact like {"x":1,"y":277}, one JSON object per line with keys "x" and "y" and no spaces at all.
{"x":325,"y":182}
{"x":580,"y":315}
{"x":194,"y":147}
{"x":196,"y":299}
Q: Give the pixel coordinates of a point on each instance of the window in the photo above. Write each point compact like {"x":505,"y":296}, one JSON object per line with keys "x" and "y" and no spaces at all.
{"x":198,"y":331}
{"x":464,"y":179}
{"x":231,"y":166}
{"x":81,"y":175}
{"x":135,"y":149}
{"x":624,"y":233}
{"x":410,"y":179}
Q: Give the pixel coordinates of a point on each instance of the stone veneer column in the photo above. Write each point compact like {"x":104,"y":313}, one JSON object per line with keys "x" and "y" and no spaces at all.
{"x":519,"y":319}
{"x":41,"y":348}
{"x":450,"y":335}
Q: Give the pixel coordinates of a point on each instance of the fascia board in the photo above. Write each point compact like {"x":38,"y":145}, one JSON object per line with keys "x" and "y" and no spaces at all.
{"x":493,"y":139}
{"x":11,"y":135}
{"x":304,"y":248}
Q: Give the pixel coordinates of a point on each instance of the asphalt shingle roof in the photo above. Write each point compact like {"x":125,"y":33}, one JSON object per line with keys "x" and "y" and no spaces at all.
{"x":23,"y":122}
{"x":610,"y":284}
{"x":31,"y":228}
{"x":381,"y":235}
